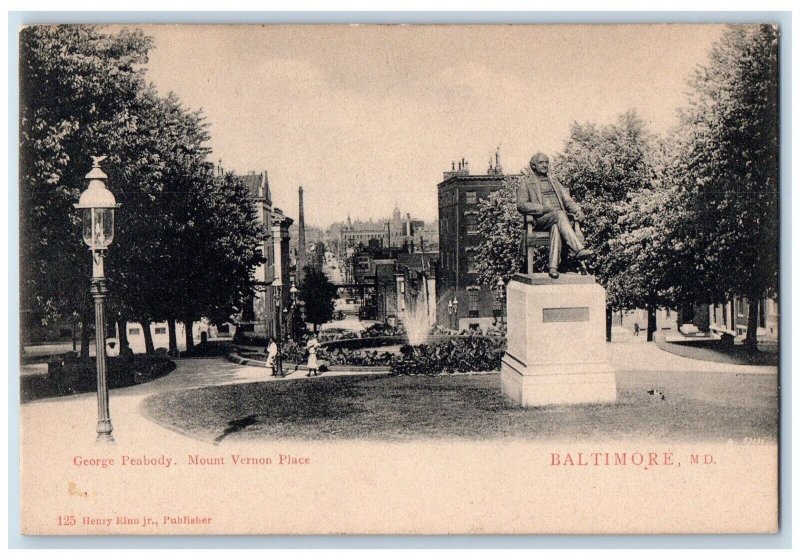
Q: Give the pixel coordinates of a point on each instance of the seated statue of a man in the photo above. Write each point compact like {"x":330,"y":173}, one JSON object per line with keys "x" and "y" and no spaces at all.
{"x":550,"y":208}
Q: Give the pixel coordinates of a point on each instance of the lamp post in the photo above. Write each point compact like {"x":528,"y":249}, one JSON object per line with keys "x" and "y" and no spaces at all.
{"x":97,"y":205}
{"x":292,"y":318}
{"x":501,"y":294}
{"x":450,"y":313}
{"x":278,"y":336}
{"x":452,"y":310}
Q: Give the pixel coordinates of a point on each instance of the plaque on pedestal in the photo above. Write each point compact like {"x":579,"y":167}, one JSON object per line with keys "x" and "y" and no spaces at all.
{"x":556,"y":351}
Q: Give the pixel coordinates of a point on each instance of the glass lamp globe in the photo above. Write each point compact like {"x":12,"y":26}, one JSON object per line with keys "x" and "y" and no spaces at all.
{"x":97,"y":205}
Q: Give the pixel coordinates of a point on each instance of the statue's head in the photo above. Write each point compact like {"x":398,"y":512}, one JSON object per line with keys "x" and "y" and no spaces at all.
{"x":540,"y":163}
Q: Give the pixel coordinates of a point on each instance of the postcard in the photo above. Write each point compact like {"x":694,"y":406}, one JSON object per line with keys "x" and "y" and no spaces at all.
{"x":399,"y":279}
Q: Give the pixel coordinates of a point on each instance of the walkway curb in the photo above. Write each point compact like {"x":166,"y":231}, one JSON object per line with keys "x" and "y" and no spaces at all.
{"x":236,"y":359}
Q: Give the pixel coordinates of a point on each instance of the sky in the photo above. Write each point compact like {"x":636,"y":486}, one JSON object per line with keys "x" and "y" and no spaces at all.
{"x":366,"y":117}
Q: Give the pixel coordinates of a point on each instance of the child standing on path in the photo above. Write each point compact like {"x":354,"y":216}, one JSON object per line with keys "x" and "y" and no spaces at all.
{"x":311,"y":347}
{"x":272,"y":353}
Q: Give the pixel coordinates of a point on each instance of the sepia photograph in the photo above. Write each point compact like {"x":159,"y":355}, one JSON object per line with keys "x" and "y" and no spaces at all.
{"x":399,"y":279}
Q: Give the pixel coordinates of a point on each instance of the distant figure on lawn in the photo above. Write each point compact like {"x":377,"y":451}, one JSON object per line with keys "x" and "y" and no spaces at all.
{"x":311,"y":347}
{"x":272,"y":353}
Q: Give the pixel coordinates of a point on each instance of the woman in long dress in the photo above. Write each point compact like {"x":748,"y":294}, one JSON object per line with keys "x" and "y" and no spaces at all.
{"x":311,"y":347}
{"x":272,"y":353}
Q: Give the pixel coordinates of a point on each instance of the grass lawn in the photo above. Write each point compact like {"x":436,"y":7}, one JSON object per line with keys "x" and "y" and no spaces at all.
{"x":706,"y":406}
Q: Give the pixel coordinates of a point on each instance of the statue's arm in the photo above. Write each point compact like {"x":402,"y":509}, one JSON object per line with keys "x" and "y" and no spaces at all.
{"x":524,"y":203}
{"x":572,"y":206}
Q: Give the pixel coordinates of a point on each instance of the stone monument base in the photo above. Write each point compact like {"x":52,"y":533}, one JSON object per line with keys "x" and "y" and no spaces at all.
{"x":556,"y":351}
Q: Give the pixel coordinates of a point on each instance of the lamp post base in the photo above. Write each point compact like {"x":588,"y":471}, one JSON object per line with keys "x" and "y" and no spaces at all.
{"x":104,"y":430}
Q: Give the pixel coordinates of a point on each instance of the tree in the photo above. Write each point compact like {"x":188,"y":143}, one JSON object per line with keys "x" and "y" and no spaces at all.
{"x":187,"y":241}
{"x":218,"y":247}
{"x":603,"y":167}
{"x":500,"y":226}
{"x":727,"y":170}
{"x":76,"y":89}
{"x":318,"y":295}
{"x":656,"y":260}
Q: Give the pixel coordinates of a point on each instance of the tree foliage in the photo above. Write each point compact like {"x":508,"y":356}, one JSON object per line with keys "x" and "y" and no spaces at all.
{"x":726,"y":170}
{"x":603,"y":167}
{"x":500,"y":226}
{"x":187,"y":241}
{"x":317,"y":294}
{"x":77,"y":87}
{"x":727,"y":164}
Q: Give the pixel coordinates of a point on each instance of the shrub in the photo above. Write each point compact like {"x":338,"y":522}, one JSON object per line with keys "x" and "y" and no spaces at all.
{"x":71,"y":374}
{"x":207,"y":350}
{"x":328,"y":336}
{"x":382,"y":329}
{"x":462,"y":354}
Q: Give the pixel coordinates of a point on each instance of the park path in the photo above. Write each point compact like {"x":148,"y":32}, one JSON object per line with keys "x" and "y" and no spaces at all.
{"x":635,"y":354}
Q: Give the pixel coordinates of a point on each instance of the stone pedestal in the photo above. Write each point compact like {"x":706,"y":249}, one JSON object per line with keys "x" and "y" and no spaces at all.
{"x":556,"y":350}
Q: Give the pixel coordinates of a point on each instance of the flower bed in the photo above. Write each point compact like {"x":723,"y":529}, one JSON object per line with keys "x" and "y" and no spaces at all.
{"x":457,"y":354}
{"x":441,"y":354}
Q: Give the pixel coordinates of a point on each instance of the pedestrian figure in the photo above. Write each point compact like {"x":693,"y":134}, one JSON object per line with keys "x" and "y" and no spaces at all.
{"x":272,"y":354}
{"x":636,"y":329}
{"x":311,"y":348}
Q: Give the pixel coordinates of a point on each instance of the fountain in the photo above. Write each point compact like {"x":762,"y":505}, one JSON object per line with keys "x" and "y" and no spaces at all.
{"x":417,"y":322}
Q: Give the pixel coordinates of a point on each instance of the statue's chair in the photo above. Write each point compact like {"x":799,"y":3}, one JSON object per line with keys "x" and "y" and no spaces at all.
{"x":535,"y":239}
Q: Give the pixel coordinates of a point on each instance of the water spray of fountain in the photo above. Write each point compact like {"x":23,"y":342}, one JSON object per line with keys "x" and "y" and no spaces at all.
{"x":417,"y":323}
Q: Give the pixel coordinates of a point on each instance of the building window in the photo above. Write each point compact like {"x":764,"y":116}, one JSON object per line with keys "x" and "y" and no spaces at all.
{"x":472,"y":197}
{"x":223,"y":329}
{"x":472,"y":297}
{"x":472,"y":223}
{"x":740,"y":307}
{"x":161,"y":330}
{"x":472,"y":264}
{"x":134,"y":330}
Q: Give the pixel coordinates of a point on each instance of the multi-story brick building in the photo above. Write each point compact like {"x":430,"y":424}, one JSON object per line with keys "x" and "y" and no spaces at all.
{"x":459,"y":195}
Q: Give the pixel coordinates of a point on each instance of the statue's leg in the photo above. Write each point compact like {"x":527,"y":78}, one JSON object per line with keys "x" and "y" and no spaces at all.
{"x":579,"y":233}
{"x":555,"y":247}
{"x":567,"y":232}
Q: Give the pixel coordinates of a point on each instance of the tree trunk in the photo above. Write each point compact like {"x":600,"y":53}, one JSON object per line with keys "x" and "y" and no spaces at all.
{"x":122,"y":327}
{"x":187,"y":327}
{"x":651,"y":322}
{"x":148,"y":337}
{"x":609,"y":320}
{"x":86,"y":336}
{"x":751,"y":340}
{"x":173,"y":338}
